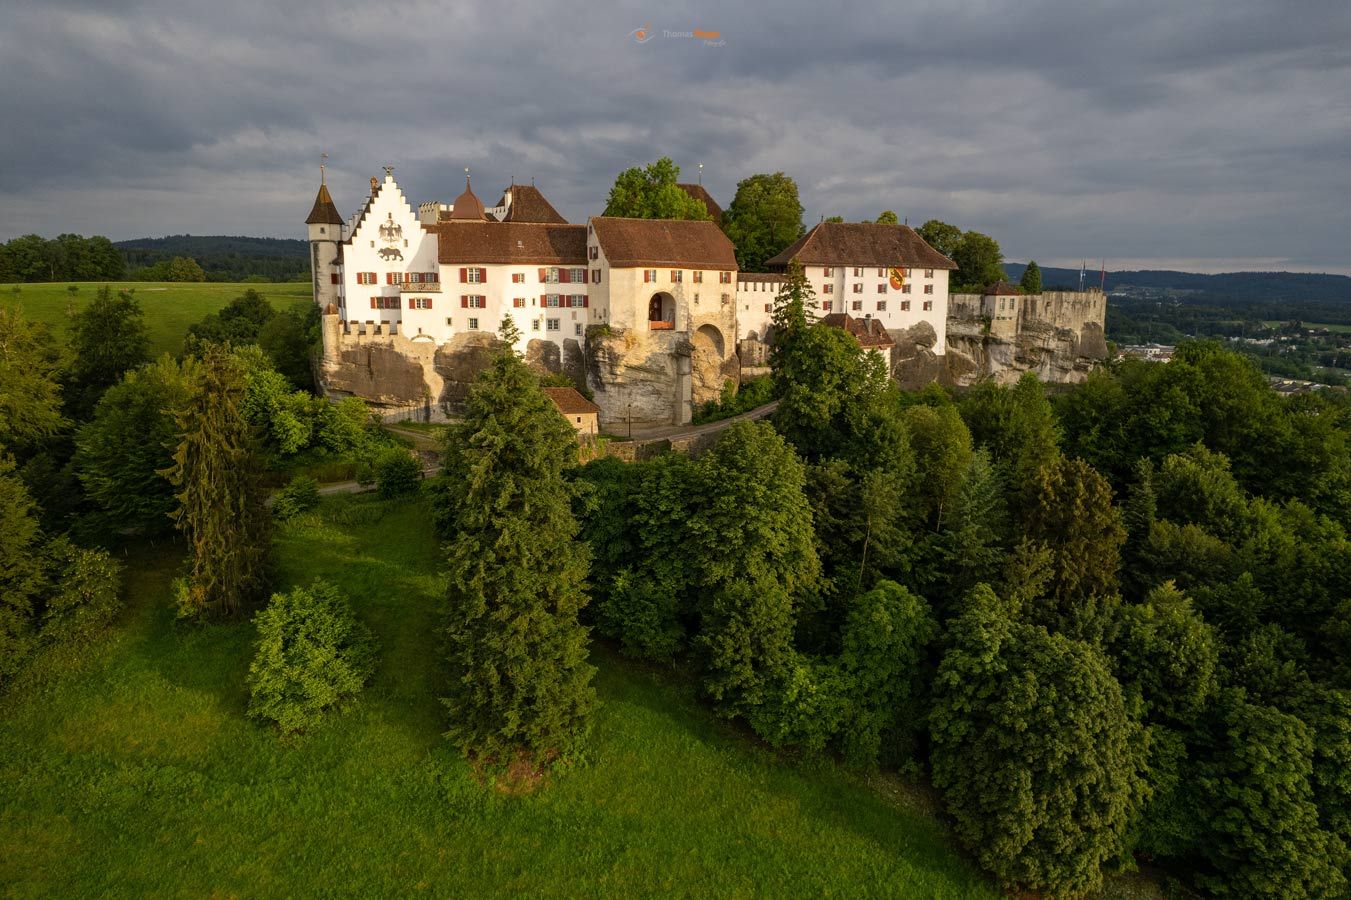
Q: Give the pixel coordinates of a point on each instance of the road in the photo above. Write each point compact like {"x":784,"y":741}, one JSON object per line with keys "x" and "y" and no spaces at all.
{"x":683,"y":431}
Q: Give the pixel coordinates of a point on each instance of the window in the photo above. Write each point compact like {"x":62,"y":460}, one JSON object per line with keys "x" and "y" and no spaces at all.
{"x":928,"y":304}
{"x":577,"y":301}
{"x":858,"y":304}
{"x":473,"y":324}
{"x":518,"y":302}
{"x":830,"y":272}
{"x":384,"y":303}
{"x":881,"y":273}
{"x":649,"y":275}
{"x":595,"y":276}
{"x":577,"y":329}
{"x":905,"y":306}
{"x":724,"y":278}
{"x":769,"y":307}
{"x":472,"y":276}
{"x":882,"y":288}
{"x":593,"y":251}
{"x":534,"y":324}
{"x":419,"y":302}
{"x":858,"y":271}
{"x":333,"y":279}
{"x":578,"y":276}
{"x":391,"y":278}
{"x":553,"y":301}
{"x":518,"y":278}
{"x":858,"y":287}
{"x":905,"y":289}
{"x":828,"y":289}
{"x":677,"y":276}
{"x":698,"y":277}
{"x":907,"y":271}
{"x":551,"y":325}
{"x":449,"y":321}
{"x":365,"y":278}
{"x":473,"y":301}
{"x":928,"y":273}
{"x":928,"y":289}
{"x":881,"y":306}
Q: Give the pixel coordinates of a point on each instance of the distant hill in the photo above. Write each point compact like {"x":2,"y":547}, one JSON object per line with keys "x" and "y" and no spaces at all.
{"x":1255,"y":295}
{"x":223,"y":257}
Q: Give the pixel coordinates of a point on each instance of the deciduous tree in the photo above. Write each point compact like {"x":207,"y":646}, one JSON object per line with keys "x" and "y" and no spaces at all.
{"x":764,"y":217}
{"x":653,"y":193}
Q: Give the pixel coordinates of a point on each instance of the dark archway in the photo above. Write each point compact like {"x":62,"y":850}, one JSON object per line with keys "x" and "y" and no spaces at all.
{"x":661,"y":312}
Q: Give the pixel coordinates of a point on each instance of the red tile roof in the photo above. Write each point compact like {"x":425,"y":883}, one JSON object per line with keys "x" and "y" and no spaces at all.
{"x":664,"y":242}
{"x":467,"y":205}
{"x":869,"y":333}
{"x":529,"y":205}
{"x":1001,"y":289}
{"x":862,"y":244}
{"x":570,"y":402}
{"x":324,"y":211}
{"x":700,"y":193}
{"x":502,"y":243}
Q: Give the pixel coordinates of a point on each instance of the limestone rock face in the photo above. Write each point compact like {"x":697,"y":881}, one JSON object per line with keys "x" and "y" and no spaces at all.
{"x":1061,"y":341}
{"x":643,"y":374}
{"x":458,"y":362}
{"x":380,"y":373}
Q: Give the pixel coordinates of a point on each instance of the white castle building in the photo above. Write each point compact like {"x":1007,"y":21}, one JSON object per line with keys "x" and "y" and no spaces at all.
{"x":651,"y":315}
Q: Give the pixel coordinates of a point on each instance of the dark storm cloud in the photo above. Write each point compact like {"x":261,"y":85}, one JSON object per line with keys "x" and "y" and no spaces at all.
{"x":1215,"y":133}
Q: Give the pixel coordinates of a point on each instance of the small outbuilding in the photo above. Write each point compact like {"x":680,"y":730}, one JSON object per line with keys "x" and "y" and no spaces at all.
{"x":581,"y":413}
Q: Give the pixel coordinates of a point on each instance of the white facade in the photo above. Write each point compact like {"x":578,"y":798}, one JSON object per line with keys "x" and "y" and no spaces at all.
{"x":385,"y":248}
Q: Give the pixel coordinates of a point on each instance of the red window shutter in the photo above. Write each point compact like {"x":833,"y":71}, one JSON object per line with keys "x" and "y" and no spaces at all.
{"x":646,"y":273}
{"x":464,"y":276}
{"x":564,"y":276}
{"x":410,"y":303}
{"x":543,"y":276}
{"x":482,"y":276}
{"x":464,"y":301}
{"x":586,"y":302}
{"x":372,"y":303}
{"x":543,"y":298}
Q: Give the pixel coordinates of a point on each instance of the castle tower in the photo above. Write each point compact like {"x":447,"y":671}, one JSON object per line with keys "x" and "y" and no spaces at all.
{"x":325,"y":228}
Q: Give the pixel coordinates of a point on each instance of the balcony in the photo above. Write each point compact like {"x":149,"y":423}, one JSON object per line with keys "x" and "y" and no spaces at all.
{"x":659,"y":325}
{"x":419,"y":287}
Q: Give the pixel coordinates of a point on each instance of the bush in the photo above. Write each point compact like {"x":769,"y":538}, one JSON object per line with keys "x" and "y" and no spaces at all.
{"x":87,"y":593}
{"x":397,"y":473}
{"x":301,"y":495}
{"x":312,"y":653}
{"x":734,"y":401}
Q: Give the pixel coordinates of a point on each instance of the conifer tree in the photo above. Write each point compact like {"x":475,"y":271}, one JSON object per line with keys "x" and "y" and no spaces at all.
{"x":1031,"y":280}
{"x":109,"y":339}
{"x":520,"y":686}
{"x":220,"y":500}
{"x":792,"y":316}
{"x":21,"y":573}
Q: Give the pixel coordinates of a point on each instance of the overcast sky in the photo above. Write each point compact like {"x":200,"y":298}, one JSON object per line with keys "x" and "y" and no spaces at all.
{"x":1210,"y":135}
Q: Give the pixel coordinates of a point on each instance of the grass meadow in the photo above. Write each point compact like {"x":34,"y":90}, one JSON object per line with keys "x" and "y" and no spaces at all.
{"x":170,"y":307}
{"x":131,"y":769}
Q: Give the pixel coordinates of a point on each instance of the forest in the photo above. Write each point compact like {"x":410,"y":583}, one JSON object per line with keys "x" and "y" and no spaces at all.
{"x":1108,"y":628}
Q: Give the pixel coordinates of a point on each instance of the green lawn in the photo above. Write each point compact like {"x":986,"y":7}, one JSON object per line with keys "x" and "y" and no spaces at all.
{"x":135,"y":772}
{"x":169,"y":307}
{"x":1332,"y":327}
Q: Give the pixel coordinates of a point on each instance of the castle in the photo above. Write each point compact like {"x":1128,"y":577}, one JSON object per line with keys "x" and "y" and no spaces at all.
{"x":651,"y":315}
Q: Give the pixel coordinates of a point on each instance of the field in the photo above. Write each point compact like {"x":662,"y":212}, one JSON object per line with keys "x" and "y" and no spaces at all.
{"x":169,"y":307}
{"x":1330,"y":326}
{"x":131,"y":769}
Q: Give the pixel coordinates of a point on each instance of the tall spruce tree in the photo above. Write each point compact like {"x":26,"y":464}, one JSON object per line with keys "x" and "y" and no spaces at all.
{"x":220,"y":499}
{"x":520,"y":686}
{"x":1031,"y":280}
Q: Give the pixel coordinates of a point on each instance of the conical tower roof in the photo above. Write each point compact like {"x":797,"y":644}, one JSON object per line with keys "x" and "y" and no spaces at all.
{"x":468,"y":206}
{"x":324,"y":212}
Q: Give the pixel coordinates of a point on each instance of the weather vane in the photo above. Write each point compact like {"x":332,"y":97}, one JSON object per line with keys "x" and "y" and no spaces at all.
{"x":701,"y":173}
{"x":323,"y":158}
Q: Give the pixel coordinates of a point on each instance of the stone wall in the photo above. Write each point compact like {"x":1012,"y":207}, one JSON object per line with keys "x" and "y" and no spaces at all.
{"x":1058,"y":335}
